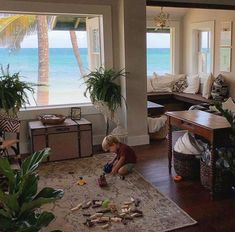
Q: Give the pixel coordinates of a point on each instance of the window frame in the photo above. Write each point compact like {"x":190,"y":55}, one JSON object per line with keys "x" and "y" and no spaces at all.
{"x":194,"y":48}
{"x":175,"y":43}
{"x":45,"y":8}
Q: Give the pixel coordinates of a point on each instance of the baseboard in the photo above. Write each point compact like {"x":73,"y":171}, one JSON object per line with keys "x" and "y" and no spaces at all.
{"x":97,"y":140}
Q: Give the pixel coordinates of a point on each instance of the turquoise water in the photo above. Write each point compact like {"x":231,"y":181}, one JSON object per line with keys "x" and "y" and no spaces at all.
{"x":65,"y":82}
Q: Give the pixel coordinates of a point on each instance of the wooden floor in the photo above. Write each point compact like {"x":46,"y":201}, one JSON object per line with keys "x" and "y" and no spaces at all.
{"x":189,"y":195}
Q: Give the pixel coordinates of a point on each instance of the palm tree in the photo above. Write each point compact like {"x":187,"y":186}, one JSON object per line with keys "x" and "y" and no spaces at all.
{"x":13,"y":29}
{"x":74,"y":42}
{"x":43,"y":60}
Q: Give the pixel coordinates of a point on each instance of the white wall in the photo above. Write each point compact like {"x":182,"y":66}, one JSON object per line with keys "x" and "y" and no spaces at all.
{"x":201,"y":15}
{"x":127,"y":39}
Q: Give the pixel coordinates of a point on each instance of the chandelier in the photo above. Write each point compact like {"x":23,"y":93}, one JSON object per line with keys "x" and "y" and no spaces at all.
{"x":162,"y":20}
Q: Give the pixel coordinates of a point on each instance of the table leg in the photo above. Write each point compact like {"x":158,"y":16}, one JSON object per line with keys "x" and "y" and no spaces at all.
{"x":169,"y":141}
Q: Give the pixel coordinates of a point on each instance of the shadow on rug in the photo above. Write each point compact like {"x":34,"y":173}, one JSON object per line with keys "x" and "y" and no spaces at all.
{"x":159,"y":213}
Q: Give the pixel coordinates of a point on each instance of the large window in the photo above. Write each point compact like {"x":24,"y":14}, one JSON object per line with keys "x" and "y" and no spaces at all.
{"x":204,"y":52}
{"x":55,"y":51}
{"x":202,"y":44}
{"x":158,"y":53}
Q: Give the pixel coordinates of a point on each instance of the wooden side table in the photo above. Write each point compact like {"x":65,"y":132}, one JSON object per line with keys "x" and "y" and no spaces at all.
{"x":72,"y":139}
{"x":212,"y":127}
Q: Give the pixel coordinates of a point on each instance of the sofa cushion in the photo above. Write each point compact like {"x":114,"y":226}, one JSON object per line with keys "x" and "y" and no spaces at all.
{"x":149,"y":85}
{"x":229,"y":105}
{"x":207,"y":86}
{"x":193,"y":84}
{"x":180,"y":85}
{"x":219,"y":89}
{"x":162,"y":83}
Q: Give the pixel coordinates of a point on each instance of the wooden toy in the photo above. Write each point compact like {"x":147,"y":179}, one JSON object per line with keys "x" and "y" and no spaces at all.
{"x":177,"y":178}
{"x":81,"y":181}
{"x":77,"y":207}
{"x":102,"y":181}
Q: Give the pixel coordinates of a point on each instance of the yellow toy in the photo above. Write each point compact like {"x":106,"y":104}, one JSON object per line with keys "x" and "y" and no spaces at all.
{"x":81,"y":181}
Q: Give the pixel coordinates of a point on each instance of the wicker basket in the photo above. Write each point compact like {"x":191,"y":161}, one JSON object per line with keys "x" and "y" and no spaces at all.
{"x":205,"y":175}
{"x":52,"y":119}
{"x":186,"y":165}
{"x":223,"y":180}
{"x":161,"y":134}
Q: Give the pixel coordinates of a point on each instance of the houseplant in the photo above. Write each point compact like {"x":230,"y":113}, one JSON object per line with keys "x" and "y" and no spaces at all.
{"x":19,"y":206}
{"x":226,"y":159}
{"x":13,"y":91}
{"x":105,"y":94}
{"x":227,"y":155}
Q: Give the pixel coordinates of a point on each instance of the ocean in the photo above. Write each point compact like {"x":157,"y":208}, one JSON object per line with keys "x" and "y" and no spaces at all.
{"x":65,"y":83}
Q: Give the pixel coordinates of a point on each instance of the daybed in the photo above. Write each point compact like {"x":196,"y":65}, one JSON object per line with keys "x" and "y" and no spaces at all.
{"x":178,"y":92}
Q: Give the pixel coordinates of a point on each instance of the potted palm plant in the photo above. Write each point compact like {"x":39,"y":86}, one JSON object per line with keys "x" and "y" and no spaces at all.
{"x":105,"y":94}
{"x":13,"y":91}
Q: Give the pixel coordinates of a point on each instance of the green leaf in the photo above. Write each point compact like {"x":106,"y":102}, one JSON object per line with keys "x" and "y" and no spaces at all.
{"x":9,"y":202}
{"x":6,"y":170}
{"x":50,"y":193}
{"x":28,"y":188}
{"x":45,"y":218}
{"x":6,"y":224}
{"x":31,"y":163}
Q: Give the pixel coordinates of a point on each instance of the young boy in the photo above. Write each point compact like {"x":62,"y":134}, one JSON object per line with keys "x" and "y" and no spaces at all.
{"x":125,"y":158}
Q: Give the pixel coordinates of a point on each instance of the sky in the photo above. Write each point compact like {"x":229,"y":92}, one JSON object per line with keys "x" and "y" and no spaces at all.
{"x":57,"y":39}
{"x":158,"y":40}
{"x":61,"y":39}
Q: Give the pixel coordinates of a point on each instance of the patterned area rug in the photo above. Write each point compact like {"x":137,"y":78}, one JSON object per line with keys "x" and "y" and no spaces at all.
{"x":159,"y":213}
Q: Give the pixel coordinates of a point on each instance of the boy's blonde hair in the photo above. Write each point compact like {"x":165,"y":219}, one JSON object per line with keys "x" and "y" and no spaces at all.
{"x":109,"y":141}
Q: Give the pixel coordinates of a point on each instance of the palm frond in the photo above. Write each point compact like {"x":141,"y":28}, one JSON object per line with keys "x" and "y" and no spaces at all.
{"x":14,"y":28}
{"x":102,"y":87}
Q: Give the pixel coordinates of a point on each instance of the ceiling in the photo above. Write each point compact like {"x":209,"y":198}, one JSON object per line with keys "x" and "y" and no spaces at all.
{"x":175,"y":13}
{"x":207,"y":4}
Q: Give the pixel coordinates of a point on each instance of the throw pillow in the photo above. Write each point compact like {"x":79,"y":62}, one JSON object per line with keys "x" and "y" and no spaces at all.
{"x":176,"y":77}
{"x":180,"y":85}
{"x":149,"y":85}
{"x":162,"y":83}
{"x":219,"y":89}
{"x":229,"y":105}
{"x":193,"y":84}
{"x":207,"y":86}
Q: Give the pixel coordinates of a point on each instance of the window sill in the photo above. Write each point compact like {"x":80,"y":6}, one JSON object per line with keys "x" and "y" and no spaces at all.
{"x":32,"y":113}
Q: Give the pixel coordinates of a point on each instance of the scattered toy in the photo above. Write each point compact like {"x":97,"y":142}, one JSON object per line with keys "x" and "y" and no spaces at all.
{"x":102,"y":181}
{"x":88,"y":223}
{"x":136,"y":211}
{"x":112,"y":207}
{"x":105,"y":203}
{"x":177,"y":178}
{"x":108,"y":168}
{"x":116,"y":219}
{"x":137,"y":202}
{"x":86,"y":214}
{"x":136,"y":215}
{"x":77,"y":207}
{"x":104,"y":211}
{"x":105,"y":226}
{"x":81,"y":181}
{"x":122,"y":177}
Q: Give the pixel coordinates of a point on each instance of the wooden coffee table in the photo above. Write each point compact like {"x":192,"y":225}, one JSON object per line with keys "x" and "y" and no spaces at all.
{"x":212,"y":127}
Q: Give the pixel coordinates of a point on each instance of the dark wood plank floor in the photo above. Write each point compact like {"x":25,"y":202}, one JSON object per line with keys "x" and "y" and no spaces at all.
{"x":189,"y":195}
